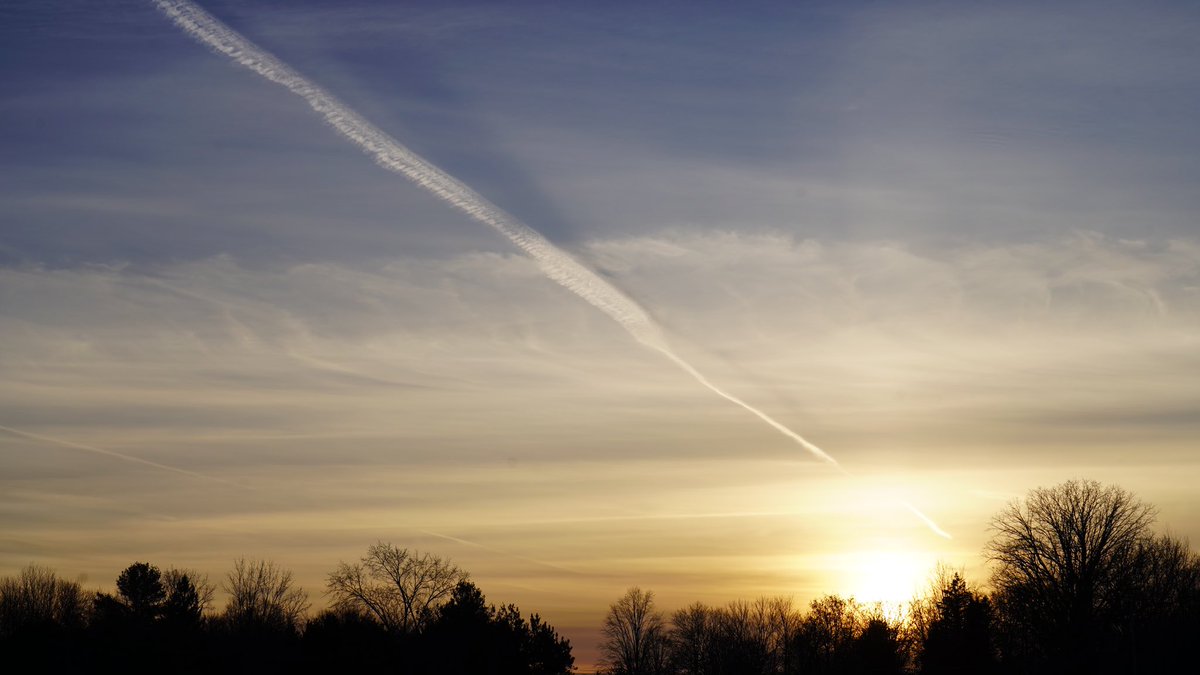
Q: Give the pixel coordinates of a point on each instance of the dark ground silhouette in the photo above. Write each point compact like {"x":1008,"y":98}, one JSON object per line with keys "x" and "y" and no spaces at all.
{"x":1080,"y":584}
{"x":155,"y":623}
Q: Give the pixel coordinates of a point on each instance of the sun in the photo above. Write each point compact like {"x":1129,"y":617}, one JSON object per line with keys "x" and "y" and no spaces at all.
{"x":889,"y":577}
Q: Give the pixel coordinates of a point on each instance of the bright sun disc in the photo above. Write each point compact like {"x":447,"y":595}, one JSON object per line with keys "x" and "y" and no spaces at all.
{"x":890,"y":577}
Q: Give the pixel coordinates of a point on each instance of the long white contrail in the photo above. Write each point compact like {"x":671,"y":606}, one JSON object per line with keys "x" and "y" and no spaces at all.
{"x":389,"y":153}
{"x":392,"y":155}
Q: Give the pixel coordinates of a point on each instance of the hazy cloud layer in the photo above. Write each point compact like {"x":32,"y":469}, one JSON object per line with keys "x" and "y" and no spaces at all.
{"x":469,"y":397}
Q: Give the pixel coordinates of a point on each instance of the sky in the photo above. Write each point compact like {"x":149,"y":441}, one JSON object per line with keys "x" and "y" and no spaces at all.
{"x":956,"y":245}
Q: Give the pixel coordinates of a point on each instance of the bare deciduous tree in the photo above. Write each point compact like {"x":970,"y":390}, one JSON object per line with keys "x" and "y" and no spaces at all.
{"x":783,"y":621}
{"x":398,"y":587}
{"x":827,"y":632}
{"x":635,"y":638}
{"x":742,"y":637}
{"x":1066,"y":564}
{"x":262,"y":593}
{"x":36,"y":597}
{"x":691,"y":638}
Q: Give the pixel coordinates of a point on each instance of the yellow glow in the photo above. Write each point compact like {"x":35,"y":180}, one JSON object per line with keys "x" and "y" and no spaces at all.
{"x":890,"y":577}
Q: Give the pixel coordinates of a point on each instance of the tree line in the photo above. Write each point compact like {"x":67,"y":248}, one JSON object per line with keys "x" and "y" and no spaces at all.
{"x":1080,"y":584}
{"x":394,"y":610}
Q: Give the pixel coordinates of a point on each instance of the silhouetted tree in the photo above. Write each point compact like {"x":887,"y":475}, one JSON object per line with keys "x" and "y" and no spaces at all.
{"x":692,"y":639}
{"x":547,"y":652}
{"x":509,"y":639}
{"x":344,"y":640}
{"x":958,"y":640}
{"x":784,"y":624}
{"x":108,"y":611}
{"x":259,"y":631}
{"x":37,"y":597}
{"x":1161,"y":618}
{"x":1066,"y":565}
{"x":150,"y":623}
{"x":41,"y":622}
{"x":877,"y":649}
{"x":634,"y":636}
{"x":141,"y":590}
{"x":401,"y":589}
{"x":182,"y":605}
{"x":469,"y":637}
{"x":742,"y":639}
{"x":459,"y":640}
{"x":127,"y":638}
{"x":155,"y":623}
{"x":185,"y":582}
{"x":263,"y":595}
{"x":826,"y":634}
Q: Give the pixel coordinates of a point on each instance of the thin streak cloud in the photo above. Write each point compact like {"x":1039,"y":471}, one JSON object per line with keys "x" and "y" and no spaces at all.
{"x":492,"y":549}
{"x":118,"y":455}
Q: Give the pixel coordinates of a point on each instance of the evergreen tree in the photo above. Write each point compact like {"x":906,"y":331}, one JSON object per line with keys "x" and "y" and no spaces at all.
{"x":959,"y":641}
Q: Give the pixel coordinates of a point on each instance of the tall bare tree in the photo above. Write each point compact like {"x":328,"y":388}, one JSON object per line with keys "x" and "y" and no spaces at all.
{"x":398,"y":587}
{"x":635,"y":637}
{"x":742,"y":637}
{"x":1066,"y":566}
{"x":783,"y":621}
{"x":265,"y":595}
{"x":692,"y":629}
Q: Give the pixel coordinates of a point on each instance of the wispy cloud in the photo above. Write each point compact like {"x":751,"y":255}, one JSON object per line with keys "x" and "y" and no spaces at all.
{"x":895,"y":356}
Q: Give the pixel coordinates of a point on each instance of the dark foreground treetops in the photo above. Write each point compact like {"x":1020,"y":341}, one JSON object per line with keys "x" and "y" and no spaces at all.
{"x":1080,"y":584}
{"x":394,"y":612}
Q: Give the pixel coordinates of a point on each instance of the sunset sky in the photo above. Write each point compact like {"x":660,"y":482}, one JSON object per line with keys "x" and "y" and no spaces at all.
{"x":956,"y":245}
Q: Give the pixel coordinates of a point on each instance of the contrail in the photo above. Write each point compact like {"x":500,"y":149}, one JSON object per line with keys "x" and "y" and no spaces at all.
{"x":390,"y":154}
{"x":927,"y":520}
{"x":687,"y":367}
{"x":394,"y":156}
{"x":474,"y":544}
{"x":114,"y":454}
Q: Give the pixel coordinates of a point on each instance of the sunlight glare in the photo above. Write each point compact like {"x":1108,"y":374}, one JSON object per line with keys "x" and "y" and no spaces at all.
{"x":890,"y":577}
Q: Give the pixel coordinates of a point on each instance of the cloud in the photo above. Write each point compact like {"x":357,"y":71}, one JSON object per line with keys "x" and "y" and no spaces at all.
{"x":887,"y":355}
{"x":832,"y":331}
{"x":465,"y":395}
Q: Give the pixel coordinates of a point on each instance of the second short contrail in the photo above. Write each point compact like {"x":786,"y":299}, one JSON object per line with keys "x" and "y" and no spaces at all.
{"x":392,"y":155}
{"x":114,"y":454}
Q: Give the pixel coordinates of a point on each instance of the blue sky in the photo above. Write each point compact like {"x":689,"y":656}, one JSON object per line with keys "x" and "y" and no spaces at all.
{"x":956,"y":244}
{"x":998,"y":122}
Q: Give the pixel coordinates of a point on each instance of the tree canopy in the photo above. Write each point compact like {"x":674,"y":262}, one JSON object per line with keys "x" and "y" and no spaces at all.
{"x":400,"y":588}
